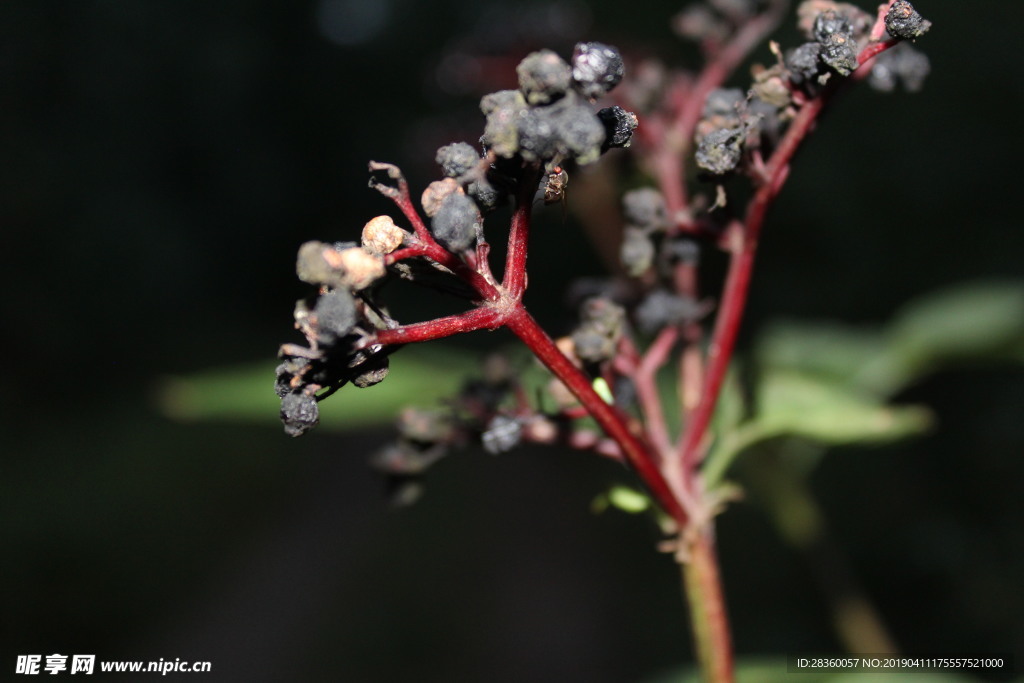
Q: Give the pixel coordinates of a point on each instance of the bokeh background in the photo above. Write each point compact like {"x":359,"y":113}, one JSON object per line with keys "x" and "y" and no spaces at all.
{"x":161,"y":161}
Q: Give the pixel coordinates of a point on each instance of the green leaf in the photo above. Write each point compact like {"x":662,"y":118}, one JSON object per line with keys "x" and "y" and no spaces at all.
{"x":974,"y":321}
{"x":831,"y":351}
{"x":795,"y":405}
{"x":246,"y":393}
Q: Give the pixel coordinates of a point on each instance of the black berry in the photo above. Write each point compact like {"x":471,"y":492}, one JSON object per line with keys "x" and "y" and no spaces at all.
{"x":645,"y":208}
{"x":457,"y":159}
{"x":803,"y":63}
{"x":543,"y":77}
{"x":335,"y":314}
{"x":456,"y":223}
{"x":299,"y":413}
{"x":839,"y":51}
{"x":720,"y":151}
{"x":903,"y":21}
{"x":503,"y":110}
{"x":829,"y":22}
{"x":661,"y":308}
{"x":596,"y":68}
{"x":619,"y":125}
{"x":637,"y":251}
{"x":901,"y":64}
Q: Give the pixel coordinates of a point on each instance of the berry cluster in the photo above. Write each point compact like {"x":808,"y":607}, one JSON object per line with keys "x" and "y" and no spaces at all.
{"x":549,"y":118}
{"x":630,"y":327}
{"x":341,"y":315}
{"x":530,"y":134}
{"x":734,"y":124}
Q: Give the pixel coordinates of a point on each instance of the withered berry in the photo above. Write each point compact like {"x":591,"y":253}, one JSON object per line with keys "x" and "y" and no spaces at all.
{"x":829,"y":22}
{"x":456,"y":223}
{"x":803,"y":63}
{"x":637,"y":251}
{"x":596,"y":69}
{"x":457,"y":159}
{"x":299,"y":413}
{"x":839,"y":51}
{"x":373,"y":371}
{"x":619,"y":125}
{"x":903,"y":21}
{"x":503,"y":110}
{"x":901,"y":64}
{"x":720,"y":151}
{"x":661,"y":308}
{"x":645,"y":208}
{"x":336,"y":315}
{"x":543,"y":77}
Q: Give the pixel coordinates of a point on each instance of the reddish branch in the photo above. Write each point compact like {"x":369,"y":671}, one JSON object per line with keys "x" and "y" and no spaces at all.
{"x":734,"y":295}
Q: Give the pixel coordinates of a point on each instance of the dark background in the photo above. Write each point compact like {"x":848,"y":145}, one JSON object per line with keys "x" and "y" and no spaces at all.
{"x":159,"y":164}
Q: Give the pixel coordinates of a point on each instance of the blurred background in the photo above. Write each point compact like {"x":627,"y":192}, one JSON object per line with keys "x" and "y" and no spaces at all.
{"x":163,"y":160}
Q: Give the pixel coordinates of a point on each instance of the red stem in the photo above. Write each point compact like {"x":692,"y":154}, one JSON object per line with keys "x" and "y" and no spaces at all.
{"x":673,"y":151}
{"x":645,"y":380}
{"x":483,"y":318}
{"x":635,"y":451}
{"x":514,"y":281}
{"x":734,"y":295}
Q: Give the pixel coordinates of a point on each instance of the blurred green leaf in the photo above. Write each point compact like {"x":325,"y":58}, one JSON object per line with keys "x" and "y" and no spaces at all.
{"x":975,"y":322}
{"x":794,"y":404}
{"x":967,"y":322}
{"x":791,"y":404}
{"x":245,"y":393}
{"x":828,"y":350}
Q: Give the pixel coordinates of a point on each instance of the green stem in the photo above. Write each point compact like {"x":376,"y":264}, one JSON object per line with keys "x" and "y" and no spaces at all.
{"x":703,"y":587}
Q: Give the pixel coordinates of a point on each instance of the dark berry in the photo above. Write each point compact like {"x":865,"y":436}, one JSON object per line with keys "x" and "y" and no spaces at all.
{"x":597,"y":337}
{"x":604,"y":314}
{"x":299,"y":413}
{"x":486,"y":195}
{"x":503,"y":110}
{"x":637,"y":251}
{"x":286,"y":372}
{"x":567,"y":128}
{"x":720,"y":151}
{"x":839,"y":51}
{"x":335,"y":315}
{"x":456,"y":223}
{"x":645,"y":208}
{"x":903,"y":21}
{"x":373,"y":371}
{"x":592,"y":346}
{"x":803,"y":63}
{"x":900,"y":64}
{"x":582,"y":133}
{"x":457,"y":159}
{"x":538,"y":134}
{"x":661,"y":308}
{"x":543,"y":77}
{"x":829,"y":22}
{"x":596,"y":68}
{"x":723,"y":102}
{"x":619,"y":125}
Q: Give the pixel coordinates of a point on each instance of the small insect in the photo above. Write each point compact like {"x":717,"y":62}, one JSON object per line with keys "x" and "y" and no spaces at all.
{"x":554,"y":187}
